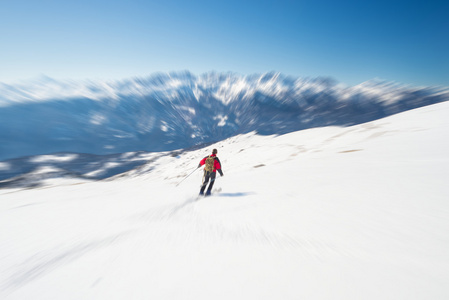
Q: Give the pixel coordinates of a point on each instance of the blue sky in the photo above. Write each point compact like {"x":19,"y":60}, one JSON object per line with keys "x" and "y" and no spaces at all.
{"x":352,"y":41}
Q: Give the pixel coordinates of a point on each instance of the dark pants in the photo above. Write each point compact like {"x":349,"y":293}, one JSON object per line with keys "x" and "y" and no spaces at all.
{"x":206,"y":177}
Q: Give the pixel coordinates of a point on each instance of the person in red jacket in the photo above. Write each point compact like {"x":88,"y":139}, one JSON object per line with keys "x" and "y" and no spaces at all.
{"x":212,"y":165}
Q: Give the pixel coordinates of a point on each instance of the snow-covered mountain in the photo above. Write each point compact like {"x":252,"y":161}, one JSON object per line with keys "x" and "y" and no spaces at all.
{"x":179,"y":110}
{"x":357,"y":212}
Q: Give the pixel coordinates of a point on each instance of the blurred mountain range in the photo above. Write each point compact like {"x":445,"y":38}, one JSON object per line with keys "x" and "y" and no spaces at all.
{"x":178,"y":110}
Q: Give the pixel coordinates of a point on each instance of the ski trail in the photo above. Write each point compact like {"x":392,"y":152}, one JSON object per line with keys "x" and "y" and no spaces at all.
{"x":183,"y":205}
{"x":47,"y":261}
{"x":194,"y":222}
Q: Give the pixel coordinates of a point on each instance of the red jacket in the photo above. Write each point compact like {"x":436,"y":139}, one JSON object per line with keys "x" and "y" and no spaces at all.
{"x":217,"y":165}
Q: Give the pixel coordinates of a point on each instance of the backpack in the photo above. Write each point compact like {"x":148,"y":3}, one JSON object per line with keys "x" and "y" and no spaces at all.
{"x":209,"y":165}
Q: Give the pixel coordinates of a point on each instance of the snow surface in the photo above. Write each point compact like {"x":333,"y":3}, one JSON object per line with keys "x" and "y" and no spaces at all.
{"x":357,"y":212}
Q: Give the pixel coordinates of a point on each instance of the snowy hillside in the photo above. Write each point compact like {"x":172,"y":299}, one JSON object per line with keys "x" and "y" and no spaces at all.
{"x":357,"y":212}
{"x":179,"y":110}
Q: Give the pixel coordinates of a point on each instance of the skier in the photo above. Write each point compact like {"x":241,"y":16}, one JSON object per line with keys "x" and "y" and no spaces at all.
{"x":212,"y":165}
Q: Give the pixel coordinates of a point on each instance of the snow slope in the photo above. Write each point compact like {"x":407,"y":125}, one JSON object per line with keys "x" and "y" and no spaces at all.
{"x":357,"y":212}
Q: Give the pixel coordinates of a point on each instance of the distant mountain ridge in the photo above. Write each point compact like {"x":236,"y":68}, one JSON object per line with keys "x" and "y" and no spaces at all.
{"x":167,"y":111}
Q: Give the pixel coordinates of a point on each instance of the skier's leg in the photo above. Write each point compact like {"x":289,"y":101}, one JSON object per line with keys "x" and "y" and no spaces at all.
{"x":205,"y":181}
{"x":211,"y":184}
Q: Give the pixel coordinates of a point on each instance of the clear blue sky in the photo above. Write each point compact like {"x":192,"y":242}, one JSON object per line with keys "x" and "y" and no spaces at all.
{"x":352,"y":41}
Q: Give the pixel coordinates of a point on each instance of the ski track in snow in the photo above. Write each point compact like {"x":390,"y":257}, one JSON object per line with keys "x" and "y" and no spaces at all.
{"x":45,"y":262}
{"x":176,"y":224}
{"x":187,"y":219}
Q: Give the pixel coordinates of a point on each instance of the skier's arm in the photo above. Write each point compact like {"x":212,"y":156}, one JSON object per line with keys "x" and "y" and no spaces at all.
{"x":202,"y":162}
